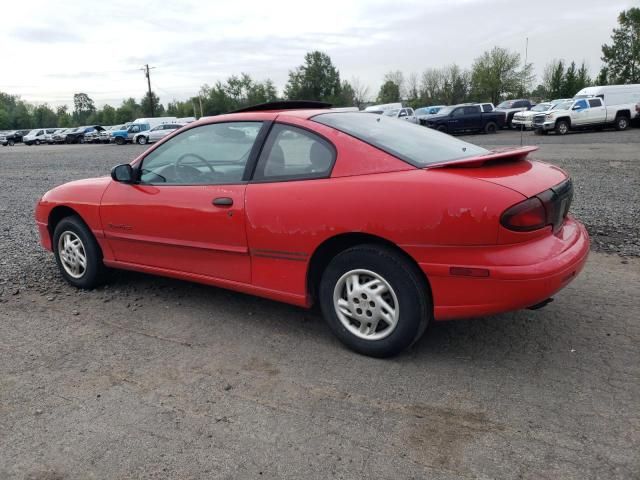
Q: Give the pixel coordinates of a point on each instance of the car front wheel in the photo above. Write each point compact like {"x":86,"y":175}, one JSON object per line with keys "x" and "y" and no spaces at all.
{"x":142,"y":140}
{"x":77,"y":253}
{"x":375,"y":300}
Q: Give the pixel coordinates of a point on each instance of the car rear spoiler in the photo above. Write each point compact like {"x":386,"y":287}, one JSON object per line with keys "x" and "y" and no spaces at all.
{"x":509,"y":154}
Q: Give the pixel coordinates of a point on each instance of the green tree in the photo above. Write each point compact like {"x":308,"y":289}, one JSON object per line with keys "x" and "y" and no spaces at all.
{"x":622,"y":57}
{"x":603,"y":77}
{"x":389,"y":92}
{"x":553,"y":79}
{"x":44,"y":116}
{"x":63,"y":119}
{"x":128,"y":111}
{"x":495,"y":73}
{"x":5,"y":119}
{"x":316,"y":79}
{"x":583,"y":79}
{"x":83,"y":107}
{"x":570,"y":81}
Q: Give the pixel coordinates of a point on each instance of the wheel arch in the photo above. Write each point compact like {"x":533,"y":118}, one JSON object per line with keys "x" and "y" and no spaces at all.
{"x":60,"y":212}
{"x":332,"y":246}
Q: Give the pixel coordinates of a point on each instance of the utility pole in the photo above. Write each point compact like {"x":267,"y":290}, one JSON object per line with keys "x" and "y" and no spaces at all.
{"x":146,"y":73}
{"x":524,"y":71}
{"x":200,"y":100}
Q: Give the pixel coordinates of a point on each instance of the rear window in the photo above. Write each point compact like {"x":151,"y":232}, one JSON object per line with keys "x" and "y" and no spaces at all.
{"x":412,"y":143}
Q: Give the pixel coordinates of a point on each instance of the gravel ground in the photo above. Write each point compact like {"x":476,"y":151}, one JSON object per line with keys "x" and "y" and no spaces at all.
{"x":156,"y":378}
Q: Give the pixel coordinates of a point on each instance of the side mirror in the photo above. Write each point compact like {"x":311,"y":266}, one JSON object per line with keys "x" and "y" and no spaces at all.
{"x":122,"y":173}
{"x":576,"y":107}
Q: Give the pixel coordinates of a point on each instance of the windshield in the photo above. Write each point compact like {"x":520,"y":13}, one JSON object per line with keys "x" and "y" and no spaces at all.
{"x":563,"y":105}
{"x":541,"y":107}
{"x":445,"y":111}
{"x":505,"y":104}
{"x":410,"y":142}
{"x":391,"y":113}
{"x":33,"y":132}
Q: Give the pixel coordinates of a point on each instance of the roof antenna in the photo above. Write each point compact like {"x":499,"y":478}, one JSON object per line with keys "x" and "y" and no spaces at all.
{"x":526,"y":54}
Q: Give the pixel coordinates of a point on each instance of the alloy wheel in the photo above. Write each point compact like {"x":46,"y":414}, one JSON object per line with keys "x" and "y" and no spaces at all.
{"x":366,"y":304}
{"x":72,"y":253}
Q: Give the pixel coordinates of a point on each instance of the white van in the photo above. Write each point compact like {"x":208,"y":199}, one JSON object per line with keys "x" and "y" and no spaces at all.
{"x":36,"y":136}
{"x":613,"y":95}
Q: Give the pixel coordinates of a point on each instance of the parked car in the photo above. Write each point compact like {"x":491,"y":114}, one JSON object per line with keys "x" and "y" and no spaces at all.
{"x":401,"y":113}
{"x":12,"y":137}
{"x":525,"y":119}
{"x":465,"y":118}
{"x":486,"y":107}
{"x":582,"y":113}
{"x":379,"y":109}
{"x":423,"y":112}
{"x":105,"y":135}
{"x":35,"y":137}
{"x":120,"y":137}
{"x":51,"y":133}
{"x":92,"y":134}
{"x":511,"y":107}
{"x":61,"y":135}
{"x":288,"y":204}
{"x":75,"y":135}
{"x":156,"y":133}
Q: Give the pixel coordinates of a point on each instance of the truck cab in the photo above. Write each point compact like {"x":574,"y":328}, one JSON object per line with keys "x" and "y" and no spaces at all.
{"x":581,"y":113}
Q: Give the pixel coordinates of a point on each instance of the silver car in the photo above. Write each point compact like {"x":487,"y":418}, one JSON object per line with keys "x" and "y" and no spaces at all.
{"x":156,"y":133}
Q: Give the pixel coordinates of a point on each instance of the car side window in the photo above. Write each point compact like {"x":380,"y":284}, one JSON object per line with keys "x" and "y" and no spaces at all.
{"x":403,"y":113}
{"x":206,"y":155}
{"x":292,"y":153}
{"x":471,"y":110}
{"x":581,"y":104}
{"x":458,"y":112}
{"x":595,"y":102}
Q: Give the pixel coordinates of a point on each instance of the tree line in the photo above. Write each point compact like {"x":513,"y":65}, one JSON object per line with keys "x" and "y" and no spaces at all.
{"x":495,"y":75}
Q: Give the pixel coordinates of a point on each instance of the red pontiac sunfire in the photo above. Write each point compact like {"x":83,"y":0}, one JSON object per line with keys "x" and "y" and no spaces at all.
{"x":387,"y":225}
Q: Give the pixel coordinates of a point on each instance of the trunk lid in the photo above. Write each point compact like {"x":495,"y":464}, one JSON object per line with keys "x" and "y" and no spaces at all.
{"x":509,"y":168}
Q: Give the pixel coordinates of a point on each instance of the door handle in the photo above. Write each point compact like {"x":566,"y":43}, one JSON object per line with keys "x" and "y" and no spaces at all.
{"x":222,"y":202}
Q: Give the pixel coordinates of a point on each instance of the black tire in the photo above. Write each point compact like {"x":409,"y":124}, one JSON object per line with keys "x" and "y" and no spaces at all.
{"x":442,"y":128}
{"x":37,"y":142}
{"x":622,"y":122}
{"x":562,"y":127}
{"x":490,"y":128}
{"x":411,"y":291}
{"x":95,"y":272}
{"x":141,"y":140}
{"x":11,"y":143}
{"x":81,"y":140}
{"x":119,"y":141}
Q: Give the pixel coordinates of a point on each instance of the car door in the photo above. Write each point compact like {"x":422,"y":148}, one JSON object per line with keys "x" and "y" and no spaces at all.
{"x":597,"y":111}
{"x":472,"y":118}
{"x":293,"y":163}
{"x":157,"y":133}
{"x":580,"y":113}
{"x":187,"y":213}
{"x":456,"y":120}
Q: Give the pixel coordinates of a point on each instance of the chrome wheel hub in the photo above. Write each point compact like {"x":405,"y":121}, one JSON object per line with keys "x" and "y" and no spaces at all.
{"x":72,"y":254}
{"x":366,"y":304}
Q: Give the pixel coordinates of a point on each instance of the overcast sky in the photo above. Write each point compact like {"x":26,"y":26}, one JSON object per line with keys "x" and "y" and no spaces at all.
{"x":52,"y":49}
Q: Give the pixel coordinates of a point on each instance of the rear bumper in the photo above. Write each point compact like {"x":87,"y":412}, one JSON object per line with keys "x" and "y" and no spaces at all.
{"x":520,"y":275}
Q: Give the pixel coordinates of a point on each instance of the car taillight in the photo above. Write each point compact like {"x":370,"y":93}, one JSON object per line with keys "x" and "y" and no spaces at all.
{"x":525,"y":216}
{"x":547,"y":208}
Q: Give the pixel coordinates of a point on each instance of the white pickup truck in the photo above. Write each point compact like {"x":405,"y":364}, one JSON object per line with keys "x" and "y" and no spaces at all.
{"x":583,"y":113}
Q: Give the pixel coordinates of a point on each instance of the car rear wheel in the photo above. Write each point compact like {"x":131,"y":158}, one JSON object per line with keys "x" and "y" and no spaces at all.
{"x":37,"y":142}
{"x":375,"y":300}
{"x":11,"y":143}
{"x":622,"y":122}
{"x":490,"y":128}
{"x":77,"y":253}
{"x":142,"y":140}
{"x":562,"y":127}
{"x":119,"y":141}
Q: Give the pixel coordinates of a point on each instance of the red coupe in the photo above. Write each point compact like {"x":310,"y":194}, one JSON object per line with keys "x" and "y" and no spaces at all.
{"x":385,"y":224}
